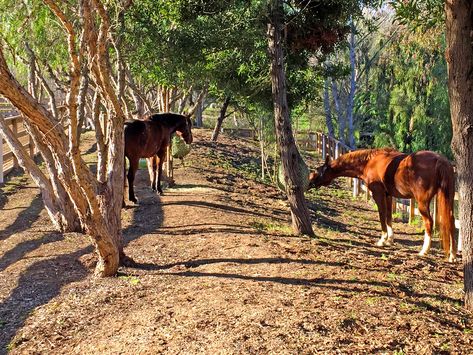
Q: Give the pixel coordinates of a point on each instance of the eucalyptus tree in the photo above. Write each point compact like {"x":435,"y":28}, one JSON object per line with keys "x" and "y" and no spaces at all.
{"x":456,"y":17}
{"x":83,"y":30}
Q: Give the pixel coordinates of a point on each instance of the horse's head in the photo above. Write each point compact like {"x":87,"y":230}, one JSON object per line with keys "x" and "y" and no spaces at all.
{"x":184,"y":129}
{"x":322,"y":176}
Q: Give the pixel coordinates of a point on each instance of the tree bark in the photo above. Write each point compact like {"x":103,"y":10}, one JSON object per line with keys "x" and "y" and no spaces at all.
{"x":459,"y":55}
{"x":290,"y":157}
{"x":221,"y":117}
{"x":338,"y":110}
{"x":351,"y":94}
{"x":328,"y":109}
{"x":53,"y":205}
{"x":97,"y":203}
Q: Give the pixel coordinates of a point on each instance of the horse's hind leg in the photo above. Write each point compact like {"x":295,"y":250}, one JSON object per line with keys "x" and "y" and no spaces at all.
{"x":389,"y":220}
{"x":428,"y":222}
{"x":152,"y":163}
{"x":131,"y":178}
{"x":124,"y":183}
{"x":160,"y":173}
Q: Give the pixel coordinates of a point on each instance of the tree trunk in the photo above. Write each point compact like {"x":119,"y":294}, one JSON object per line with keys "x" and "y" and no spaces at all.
{"x":97,"y":203}
{"x":351,"y":94}
{"x":290,"y":157}
{"x":54,"y":206}
{"x":199,"y":121}
{"x":328,"y":109}
{"x":221,"y":117}
{"x":338,"y":110}
{"x":459,"y":55}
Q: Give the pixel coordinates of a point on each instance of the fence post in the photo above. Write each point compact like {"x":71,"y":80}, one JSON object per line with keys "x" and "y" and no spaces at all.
{"x":367,"y":193}
{"x":412,"y":209}
{"x":356,"y":187}
{"x":337,"y":150}
{"x":15,"y":132}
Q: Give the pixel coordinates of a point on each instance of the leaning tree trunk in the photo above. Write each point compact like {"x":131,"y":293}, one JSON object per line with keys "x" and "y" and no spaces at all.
{"x":328,"y":109}
{"x":338,"y":110}
{"x":290,"y":157}
{"x":97,"y":203}
{"x":221,"y":117}
{"x":459,"y":55}
{"x":62,"y":220}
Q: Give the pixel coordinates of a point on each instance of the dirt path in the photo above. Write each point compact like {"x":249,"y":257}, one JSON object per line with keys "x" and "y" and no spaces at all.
{"x":218,"y":272}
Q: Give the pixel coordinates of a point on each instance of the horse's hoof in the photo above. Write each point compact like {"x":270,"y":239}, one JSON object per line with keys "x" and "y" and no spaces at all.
{"x":389,"y":242}
{"x":380,"y":243}
{"x":452,"y":259}
{"x":422,"y":253}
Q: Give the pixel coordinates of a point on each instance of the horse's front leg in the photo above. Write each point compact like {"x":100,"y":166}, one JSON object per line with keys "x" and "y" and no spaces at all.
{"x":428,"y":222}
{"x":131,"y":177}
{"x":160,"y":171}
{"x":379,"y":197}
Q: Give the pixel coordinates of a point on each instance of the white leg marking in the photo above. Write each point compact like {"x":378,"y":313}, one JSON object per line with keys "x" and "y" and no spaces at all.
{"x":453,"y":255}
{"x":382,"y":240}
{"x":390,"y":240}
{"x":426,"y":246}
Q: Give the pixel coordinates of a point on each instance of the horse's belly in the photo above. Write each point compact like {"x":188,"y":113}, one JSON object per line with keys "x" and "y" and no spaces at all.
{"x":400,"y":189}
{"x":401,"y":193}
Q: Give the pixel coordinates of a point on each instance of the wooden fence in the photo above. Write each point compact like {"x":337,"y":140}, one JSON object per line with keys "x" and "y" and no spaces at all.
{"x":14,"y":120}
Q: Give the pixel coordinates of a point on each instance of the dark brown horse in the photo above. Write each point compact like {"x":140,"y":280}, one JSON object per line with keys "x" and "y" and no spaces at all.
{"x":389,"y":173}
{"x":148,"y":138}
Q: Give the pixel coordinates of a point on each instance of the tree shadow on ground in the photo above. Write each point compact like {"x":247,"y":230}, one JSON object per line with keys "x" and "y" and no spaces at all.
{"x":394,"y":290}
{"x":21,"y":249}
{"x":200,"y":262}
{"x":43,"y":280}
{"x":37,"y":285}
{"x":222,"y":207}
{"x":29,"y":214}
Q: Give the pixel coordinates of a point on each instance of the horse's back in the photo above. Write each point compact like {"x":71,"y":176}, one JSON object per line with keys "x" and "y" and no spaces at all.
{"x":137,"y":139}
{"x":420,"y":171}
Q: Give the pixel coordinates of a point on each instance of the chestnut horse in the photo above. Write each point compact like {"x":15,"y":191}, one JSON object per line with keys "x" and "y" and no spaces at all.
{"x":148,"y":138}
{"x":389,"y":173}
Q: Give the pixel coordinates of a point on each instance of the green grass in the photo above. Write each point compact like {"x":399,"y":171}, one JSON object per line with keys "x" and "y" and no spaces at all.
{"x":264,"y":226}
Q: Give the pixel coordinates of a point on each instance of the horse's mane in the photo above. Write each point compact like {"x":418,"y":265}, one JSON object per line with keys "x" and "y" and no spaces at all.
{"x":362,"y":155}
{"x":167,"y":119}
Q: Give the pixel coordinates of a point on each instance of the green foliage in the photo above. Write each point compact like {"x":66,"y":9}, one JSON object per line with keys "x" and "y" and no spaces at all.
{"x":419,"y":13}
{"x":405,"y":102}
{"x":32,"y":22}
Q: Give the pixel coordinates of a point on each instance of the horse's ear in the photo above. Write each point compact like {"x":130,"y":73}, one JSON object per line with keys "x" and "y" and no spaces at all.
{"x":327,"y":159}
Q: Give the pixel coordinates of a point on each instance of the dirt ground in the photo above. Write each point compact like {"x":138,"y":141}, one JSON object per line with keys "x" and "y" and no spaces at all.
{"x":218,"y":272}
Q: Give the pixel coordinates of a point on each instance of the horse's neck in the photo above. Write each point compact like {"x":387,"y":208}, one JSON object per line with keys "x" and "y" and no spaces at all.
{"x":167,"y":127}
{"x":344,"y":166}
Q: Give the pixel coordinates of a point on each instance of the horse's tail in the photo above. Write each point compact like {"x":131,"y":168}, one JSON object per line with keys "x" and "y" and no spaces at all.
{"x":445,"y":197}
